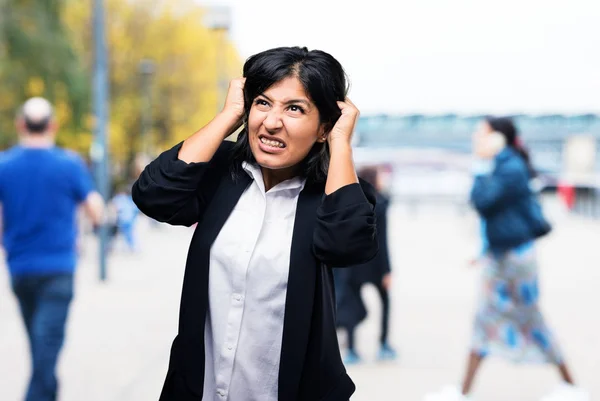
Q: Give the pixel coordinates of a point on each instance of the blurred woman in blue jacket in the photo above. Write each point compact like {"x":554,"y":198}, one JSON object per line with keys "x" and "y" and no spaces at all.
{"x":508,"y":322}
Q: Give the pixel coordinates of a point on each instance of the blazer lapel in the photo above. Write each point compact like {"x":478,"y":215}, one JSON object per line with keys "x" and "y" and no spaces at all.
{"x":225,"y":198}
{"x":300,"y":294}
{"x":195,"y":285}
{"x":223,"y":201}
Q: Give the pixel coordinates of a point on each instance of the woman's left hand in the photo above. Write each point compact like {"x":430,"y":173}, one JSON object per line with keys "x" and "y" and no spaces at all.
{"x":344,"y":127}
{"x":341,"y":166}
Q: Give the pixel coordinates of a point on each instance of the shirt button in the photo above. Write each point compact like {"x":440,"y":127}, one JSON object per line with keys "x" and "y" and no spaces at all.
{"x":221,"y":393}
{"x":229,"y":347}
{"x":237,"y":297}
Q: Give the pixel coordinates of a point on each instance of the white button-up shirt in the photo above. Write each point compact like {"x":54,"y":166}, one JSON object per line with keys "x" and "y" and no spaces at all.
{"x":249,"y":266}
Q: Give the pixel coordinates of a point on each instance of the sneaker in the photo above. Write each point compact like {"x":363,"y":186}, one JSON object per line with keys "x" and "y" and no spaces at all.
{"x":567,"y":392}
{"x":352,"y":358}
{"x":449,"y":393}
{"x":387,"y":353}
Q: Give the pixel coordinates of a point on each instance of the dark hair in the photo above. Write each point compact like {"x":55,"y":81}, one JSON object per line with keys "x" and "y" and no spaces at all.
{"x":325,"y":83}
{"x":37,"y":127}
{"x":506,"y":127}
{"x":34,"y":127}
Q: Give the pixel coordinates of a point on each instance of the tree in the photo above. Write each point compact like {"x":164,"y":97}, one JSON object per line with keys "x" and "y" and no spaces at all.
{"x":38,"y":59}
{"x":46,"y":49}
{"x":184,"y":84}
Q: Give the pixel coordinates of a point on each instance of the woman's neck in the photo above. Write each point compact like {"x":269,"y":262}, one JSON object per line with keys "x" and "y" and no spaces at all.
{"x":273,"y":177}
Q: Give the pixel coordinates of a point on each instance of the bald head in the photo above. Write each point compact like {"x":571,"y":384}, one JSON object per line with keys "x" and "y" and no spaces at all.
{"x":37,"y":115}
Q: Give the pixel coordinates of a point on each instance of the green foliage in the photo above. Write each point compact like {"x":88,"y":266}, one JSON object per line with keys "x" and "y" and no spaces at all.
{"x":46,"y":49}
{"x":38,"y":59}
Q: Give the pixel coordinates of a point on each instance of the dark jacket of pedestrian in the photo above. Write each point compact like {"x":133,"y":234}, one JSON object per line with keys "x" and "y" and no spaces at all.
{"x":351,"y":309}
{"x":503,"y":199}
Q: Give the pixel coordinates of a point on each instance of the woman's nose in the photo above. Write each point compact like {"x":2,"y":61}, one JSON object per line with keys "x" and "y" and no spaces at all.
{"x":273,"y":120}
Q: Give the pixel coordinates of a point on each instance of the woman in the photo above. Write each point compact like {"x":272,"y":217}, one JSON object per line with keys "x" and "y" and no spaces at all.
{"x":274,"y":211}
{"x":351,"y":308}
{"x":508,"y":322}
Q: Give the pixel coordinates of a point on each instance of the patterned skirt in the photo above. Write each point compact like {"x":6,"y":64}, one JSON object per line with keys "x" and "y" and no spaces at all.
{"x":508,"y":322}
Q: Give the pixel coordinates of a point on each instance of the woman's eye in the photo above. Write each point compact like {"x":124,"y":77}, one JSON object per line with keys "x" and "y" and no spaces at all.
{"x":295,"y":108}
{"x":261,"y":102}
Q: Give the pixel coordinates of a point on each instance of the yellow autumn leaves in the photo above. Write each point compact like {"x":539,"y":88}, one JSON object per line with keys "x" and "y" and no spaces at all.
{"x":188,"y":59}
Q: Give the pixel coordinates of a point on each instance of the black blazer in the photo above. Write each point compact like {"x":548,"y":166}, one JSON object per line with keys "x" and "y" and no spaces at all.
{"x":334,"y":230}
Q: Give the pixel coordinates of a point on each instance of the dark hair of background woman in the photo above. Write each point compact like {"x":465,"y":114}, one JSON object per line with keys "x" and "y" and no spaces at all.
{"x":324,"y":81}
{"x":507,"y":128}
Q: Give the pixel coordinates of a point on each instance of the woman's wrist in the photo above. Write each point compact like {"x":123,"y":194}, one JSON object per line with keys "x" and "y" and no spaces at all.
{"x":229,"y":120}
{"x":341,"y":166}
{"x":340,"y":145}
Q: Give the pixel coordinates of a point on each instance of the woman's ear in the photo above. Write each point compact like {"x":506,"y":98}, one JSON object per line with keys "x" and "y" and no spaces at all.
{"x":323,"y":132}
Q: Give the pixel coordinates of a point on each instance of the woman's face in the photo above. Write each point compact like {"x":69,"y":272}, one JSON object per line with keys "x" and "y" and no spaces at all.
{"x":483,"y":128}
{"x":481,"y":133}
{"x":486,"y":142}
{"x":283,"y":126}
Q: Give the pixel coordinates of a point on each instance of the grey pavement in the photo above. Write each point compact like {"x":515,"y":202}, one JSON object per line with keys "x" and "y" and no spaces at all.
{"x":120,"y":330}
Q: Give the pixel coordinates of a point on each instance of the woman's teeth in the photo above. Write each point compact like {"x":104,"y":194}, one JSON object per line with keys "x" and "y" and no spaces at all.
{"x":275,"y":144}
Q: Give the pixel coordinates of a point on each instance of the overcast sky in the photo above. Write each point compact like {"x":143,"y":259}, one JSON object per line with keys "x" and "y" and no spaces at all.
{"x":437,"y":56}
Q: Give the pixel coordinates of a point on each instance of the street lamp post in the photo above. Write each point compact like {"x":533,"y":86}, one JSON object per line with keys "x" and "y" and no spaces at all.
{"x":99,"y":150}
{"x":218,"y":19}
{"x":146,"y":70}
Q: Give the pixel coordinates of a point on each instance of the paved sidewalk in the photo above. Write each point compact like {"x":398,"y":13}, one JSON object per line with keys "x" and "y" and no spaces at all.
{"x":120,"y":331}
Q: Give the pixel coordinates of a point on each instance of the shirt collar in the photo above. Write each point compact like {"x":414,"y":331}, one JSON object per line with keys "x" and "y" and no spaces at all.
{"x":295,"y":184}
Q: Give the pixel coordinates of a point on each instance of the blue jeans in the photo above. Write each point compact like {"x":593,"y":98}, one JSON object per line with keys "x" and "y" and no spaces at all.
{"x":44,"y":302}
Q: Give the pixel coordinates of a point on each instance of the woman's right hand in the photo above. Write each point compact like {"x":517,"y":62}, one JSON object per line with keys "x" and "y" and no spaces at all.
{"x":234,"y":102}
{"x":202,"y":146}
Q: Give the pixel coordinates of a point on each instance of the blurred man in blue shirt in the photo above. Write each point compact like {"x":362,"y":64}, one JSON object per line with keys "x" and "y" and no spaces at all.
{"x":41,"y":187}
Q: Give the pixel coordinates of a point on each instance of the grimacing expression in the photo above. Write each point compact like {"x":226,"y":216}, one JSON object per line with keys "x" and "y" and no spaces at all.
{"x":283,"y":125}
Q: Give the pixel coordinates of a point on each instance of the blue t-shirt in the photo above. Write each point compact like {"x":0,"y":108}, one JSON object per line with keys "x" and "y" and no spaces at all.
{"x":40,"y":190}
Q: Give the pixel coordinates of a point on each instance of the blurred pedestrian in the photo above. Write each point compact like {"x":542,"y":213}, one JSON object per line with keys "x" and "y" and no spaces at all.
{"x":275,"y":211}
{"x":351,"y":309}
{"x":41,"y":187}
{"x":508,"y":322}
{"x":125,"y":213}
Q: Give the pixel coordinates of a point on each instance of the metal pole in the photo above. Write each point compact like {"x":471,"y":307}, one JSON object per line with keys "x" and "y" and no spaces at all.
{"x":218,"y":18}
{"x":99,"y":151}
{"x":146,"y":115}
{"x":221,"y":68}
{"x":146,"y":69}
